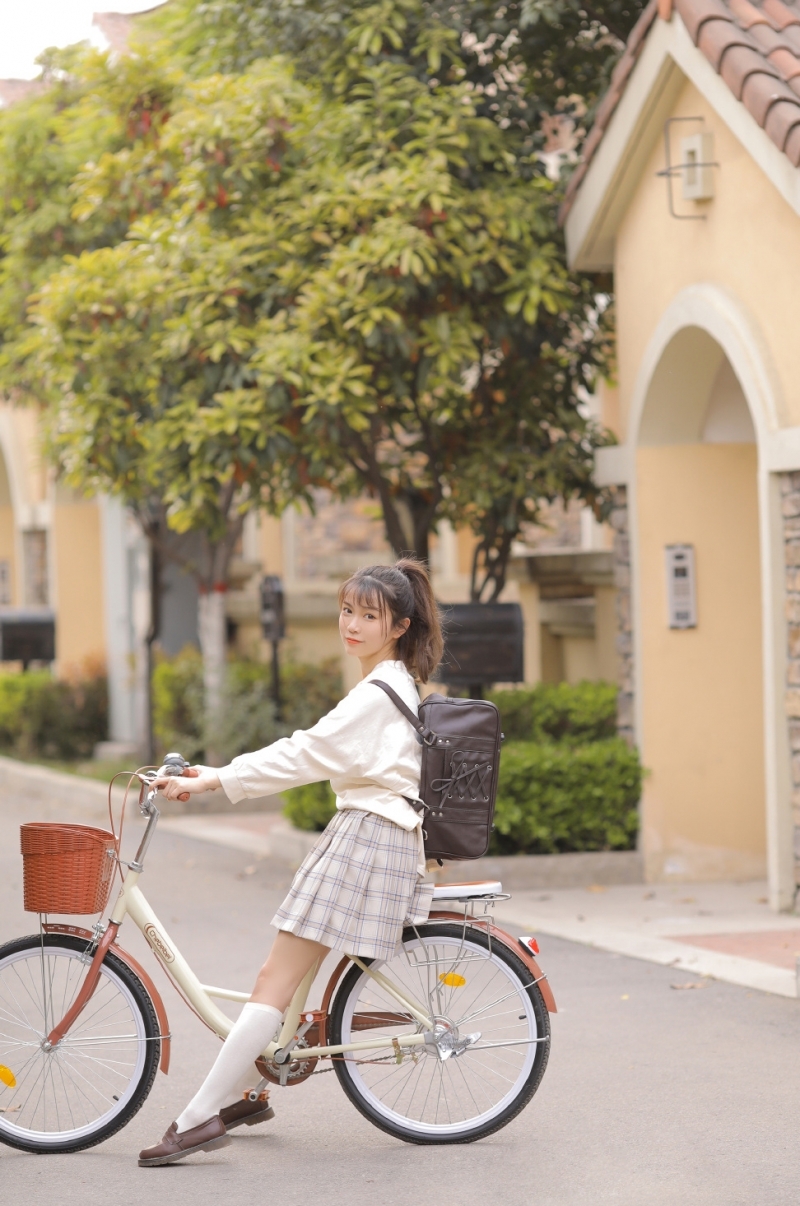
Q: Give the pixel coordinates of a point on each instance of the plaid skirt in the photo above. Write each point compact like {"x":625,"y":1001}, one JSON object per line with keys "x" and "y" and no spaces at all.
{"x":357,"y":887}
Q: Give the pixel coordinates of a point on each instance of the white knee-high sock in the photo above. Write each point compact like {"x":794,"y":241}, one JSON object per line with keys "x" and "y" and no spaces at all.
{"x":254,"y":1029}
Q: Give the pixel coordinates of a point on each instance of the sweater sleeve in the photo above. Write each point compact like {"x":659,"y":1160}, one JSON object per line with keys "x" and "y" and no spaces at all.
{"x":337,"y":744}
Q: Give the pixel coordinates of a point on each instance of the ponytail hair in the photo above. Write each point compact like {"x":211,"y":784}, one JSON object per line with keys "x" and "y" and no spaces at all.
{"x":399,"y":592}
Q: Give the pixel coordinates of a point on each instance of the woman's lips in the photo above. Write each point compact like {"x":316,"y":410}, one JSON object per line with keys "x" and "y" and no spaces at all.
{"x":352,"y":641}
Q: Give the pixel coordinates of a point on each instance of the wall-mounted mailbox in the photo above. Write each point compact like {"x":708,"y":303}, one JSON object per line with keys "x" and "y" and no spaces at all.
{"x":483,"y":643}
{"x":27,"y":636}
{"x":681,"y":587}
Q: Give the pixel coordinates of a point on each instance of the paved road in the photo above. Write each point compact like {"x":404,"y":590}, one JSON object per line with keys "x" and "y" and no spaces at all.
{"x":653,"y":1095}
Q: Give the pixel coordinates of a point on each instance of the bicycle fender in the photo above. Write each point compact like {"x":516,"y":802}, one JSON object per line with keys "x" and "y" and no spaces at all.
{"x":509,"y":941}
{"x":138,"y":970}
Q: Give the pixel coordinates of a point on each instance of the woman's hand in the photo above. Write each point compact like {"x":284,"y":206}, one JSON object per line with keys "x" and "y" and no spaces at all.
{"x":191,"y":782}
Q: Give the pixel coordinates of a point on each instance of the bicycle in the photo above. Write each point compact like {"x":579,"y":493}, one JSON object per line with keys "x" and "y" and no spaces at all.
{"x":444,"y":1043}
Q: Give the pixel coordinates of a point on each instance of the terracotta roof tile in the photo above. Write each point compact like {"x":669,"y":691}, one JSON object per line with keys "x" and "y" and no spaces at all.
{"x":754,"y":46}
{"x":747,"y":14}
{"x":766,"y":38}
{"x":782,"y":118}
{"x":695,"y":13}
{"x":716,"y":37}
{"x":780,"y":14}
{"x":792,"y":148}
{"x":787,"y":63}
{"x":739,"y":64}
{"x":761,"y":92}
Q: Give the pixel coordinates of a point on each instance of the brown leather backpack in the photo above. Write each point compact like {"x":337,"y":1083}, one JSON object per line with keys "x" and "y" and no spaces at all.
{"x":460,"y":741}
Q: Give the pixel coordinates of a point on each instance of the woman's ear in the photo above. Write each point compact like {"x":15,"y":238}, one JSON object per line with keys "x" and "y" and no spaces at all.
{"x":401,"y":627}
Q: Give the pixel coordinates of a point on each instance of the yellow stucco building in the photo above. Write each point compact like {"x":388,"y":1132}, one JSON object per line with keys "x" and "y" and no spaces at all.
{"x":689,"y":192}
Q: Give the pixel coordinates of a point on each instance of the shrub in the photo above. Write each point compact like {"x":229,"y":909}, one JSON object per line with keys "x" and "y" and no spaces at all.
{"x":578,"y":713}
{"x":247,"y":719}
{"x":52,"y":718}
{"x":310,"y":807}
{"x":178,"y":720}
{"x":558,"y":798}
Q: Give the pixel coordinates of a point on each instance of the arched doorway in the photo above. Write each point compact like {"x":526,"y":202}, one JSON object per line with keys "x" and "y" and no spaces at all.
{"x":701,"y":702}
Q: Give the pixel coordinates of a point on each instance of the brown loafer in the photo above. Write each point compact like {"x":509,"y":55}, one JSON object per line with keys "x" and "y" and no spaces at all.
{"x":204,"y":1138}
{"x":247,"y":1112}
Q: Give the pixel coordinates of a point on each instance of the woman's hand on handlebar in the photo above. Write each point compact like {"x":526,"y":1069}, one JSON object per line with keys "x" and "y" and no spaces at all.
{"x":192,"y":781}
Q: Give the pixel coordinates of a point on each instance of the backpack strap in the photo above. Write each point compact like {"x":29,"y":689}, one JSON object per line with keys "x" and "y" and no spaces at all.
{"x":425,"y":735}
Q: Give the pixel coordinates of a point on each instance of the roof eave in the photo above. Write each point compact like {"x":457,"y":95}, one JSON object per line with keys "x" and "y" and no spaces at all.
{"x":667,"y":60}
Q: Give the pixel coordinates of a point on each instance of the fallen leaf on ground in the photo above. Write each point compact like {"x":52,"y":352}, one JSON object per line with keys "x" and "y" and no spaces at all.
{"x":625,"y":997}
{"x":692,"y":984}
{"x":596,"y":888}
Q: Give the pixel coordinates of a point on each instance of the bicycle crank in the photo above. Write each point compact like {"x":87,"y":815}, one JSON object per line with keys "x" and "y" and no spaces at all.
{"x":292,"y":1072}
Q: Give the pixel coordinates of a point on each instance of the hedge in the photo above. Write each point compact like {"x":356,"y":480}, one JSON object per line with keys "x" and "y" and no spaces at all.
{"x":310,"y":807}
{"x":551,"y":799}
{"x":247,"y":719}
{"x":563,"y":712}
{"x":52,"y":718}
{"x":556,"y":798}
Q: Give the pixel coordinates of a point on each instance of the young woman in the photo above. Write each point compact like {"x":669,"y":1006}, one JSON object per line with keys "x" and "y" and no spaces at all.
{"x":362,"y":881}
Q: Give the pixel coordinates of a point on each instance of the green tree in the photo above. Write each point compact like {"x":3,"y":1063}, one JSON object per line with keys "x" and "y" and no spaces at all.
{"x":426,"y":333}
{"x":140,"y":348}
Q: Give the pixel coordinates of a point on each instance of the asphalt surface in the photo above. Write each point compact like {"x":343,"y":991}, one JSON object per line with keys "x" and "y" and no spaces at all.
{"x":653,"y":1094}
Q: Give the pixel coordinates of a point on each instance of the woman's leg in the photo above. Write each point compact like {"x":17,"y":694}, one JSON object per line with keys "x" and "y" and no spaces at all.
{"x":288,"y":962}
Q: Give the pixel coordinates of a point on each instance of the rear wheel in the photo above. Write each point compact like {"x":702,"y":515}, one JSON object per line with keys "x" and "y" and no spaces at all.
{"x":92,"y":1082}
{"x":485,"y":1058}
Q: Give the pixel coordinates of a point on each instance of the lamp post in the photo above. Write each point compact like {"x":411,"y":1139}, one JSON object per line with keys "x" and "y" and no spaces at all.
{"x":273,"y":628}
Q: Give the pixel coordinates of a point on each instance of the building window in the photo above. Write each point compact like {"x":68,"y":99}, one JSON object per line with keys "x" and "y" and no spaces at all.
{"x":34,"y":549}
{"x":5,"y":583}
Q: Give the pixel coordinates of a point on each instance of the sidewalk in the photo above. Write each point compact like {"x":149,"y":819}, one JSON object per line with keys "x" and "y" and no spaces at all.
{"x":720,"y":930}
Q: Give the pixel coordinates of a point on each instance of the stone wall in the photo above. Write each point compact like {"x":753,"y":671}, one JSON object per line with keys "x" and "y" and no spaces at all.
{"x":622,"y":581}
{"x":790,"y":509}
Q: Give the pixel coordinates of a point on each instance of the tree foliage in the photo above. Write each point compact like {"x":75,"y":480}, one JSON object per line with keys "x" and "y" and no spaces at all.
{"x":344,"y":275}
{"x":523,"y":60}
{"x":424,"y":333}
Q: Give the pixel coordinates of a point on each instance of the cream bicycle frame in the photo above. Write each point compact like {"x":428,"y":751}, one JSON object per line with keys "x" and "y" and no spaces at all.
{"x":132,"y":903}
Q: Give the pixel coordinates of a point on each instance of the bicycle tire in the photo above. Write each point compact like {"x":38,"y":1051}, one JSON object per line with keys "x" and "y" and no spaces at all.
{"x":363,"y":1094}
{"x":120,"y":994}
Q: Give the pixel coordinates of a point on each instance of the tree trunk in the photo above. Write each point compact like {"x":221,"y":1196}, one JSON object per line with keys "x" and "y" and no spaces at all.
{"x":212,"y":633}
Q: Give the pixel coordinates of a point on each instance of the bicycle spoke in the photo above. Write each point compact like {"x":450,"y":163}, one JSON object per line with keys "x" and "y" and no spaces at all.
{"x":464,"y":984}
{"x":72,"y":1089}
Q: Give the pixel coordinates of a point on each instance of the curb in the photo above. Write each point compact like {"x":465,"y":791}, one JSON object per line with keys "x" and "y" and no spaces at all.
{"x":87,"y":797}
{"x":279,"y":839}
{"x":533,"y":871}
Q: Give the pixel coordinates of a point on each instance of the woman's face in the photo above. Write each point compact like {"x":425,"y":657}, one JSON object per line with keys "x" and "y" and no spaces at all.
{"x":364,"y":631}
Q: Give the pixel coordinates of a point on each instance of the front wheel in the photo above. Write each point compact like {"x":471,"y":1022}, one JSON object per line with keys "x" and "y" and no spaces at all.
{"x":488,"y":1050}
{"x":91,"y":1083}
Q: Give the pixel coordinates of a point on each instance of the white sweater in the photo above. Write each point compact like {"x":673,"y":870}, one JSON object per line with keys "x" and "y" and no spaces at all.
{"x":365,"y":747}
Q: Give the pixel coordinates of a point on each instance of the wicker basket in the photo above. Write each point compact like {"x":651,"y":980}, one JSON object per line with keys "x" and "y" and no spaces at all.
{"x":66,"y":868}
